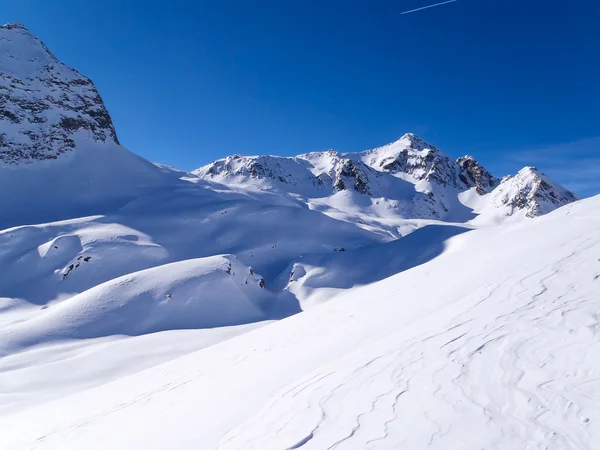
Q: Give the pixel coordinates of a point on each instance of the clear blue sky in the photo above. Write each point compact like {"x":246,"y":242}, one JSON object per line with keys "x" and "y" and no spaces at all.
{"x":512,"y":82}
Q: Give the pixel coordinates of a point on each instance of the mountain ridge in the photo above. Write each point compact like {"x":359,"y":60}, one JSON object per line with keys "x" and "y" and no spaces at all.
{"x":435,"y":178}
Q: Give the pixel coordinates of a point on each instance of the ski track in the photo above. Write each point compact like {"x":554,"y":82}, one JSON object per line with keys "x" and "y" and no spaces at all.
{"x":412,"y":392}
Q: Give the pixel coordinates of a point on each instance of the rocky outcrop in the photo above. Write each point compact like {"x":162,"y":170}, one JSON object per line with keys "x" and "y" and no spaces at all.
{"x":45,"y":106}
{"x":473,"y":174}
{"x":531,"y":191}
{"x":415,"y":158}
{"x":348,"y":175}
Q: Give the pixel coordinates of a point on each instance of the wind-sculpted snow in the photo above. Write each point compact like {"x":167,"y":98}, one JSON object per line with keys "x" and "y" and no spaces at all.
{"x":493,"y":344}
{"x":199,"y":293}
{"x":315,"y":278}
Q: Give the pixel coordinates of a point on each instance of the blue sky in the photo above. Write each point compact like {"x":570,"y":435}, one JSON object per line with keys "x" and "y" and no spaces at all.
{"x":512,"y":82}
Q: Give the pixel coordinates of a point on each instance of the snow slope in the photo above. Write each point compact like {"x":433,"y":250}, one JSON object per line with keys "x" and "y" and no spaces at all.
{"x":493,"y":344}
{"x":200,"y":293}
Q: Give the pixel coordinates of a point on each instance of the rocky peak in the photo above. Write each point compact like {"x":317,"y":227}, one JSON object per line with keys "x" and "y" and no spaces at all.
{"x":414,"y":157}
{"x":348,"y":175}
{"x":14,"y":25}
{"x":46,"y":108}
{"x":531,"y":190}
{"x":413,"y":141}
{"x":261,"y":171}
{"x":475,"y":175}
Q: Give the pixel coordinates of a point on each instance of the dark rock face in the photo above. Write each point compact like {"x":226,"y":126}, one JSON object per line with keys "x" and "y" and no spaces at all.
{"x":475,"y":175}
{"x":422,"y":161}
{"x":44,"y":105}
{"x":349,"y":175}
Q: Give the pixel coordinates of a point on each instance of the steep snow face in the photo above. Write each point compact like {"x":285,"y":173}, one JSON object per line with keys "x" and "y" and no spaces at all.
{"x":531,"y":192}
{"x":45,"y":106}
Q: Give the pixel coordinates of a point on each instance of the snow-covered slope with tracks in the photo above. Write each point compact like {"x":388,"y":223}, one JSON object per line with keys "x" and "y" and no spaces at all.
{"x":493,"y":344}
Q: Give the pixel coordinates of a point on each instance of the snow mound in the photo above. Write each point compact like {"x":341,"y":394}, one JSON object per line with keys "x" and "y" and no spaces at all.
{"x":318,"y":278}
{"x":200,"y":293}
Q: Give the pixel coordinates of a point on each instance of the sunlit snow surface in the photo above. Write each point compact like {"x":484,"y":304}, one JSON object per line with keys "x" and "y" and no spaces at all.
{"x":492,"y":344}
{"x":392,"y":298}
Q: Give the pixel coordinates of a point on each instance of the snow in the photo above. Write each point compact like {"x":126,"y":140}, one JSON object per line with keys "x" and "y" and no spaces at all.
{"x":53,"y":370}
{"x":157,"y":299}
{"x":530,"y":193}
{"x":96,"y":179}
{"x":391,"y":298}
{"x":23,"y":52}
{"x":384,"y":190}
{"x":492,"y":344}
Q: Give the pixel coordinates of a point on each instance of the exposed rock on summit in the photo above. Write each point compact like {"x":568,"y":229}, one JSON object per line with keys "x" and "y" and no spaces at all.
{"x":44,"y":104}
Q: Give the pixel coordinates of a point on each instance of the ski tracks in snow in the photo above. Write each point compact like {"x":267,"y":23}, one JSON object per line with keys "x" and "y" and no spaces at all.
{"x":516,"y":362}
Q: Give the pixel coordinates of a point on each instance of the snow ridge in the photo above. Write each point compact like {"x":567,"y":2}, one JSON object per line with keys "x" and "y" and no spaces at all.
{"x":407,"y":171}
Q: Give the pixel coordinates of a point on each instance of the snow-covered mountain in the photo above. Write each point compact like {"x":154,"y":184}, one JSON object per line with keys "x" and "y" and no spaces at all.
{"x":412,"y":178}
{"x":404,"y":298}
{"x":59,"y":152}
{"x":532,"y":191}
{"x":44,"y":103}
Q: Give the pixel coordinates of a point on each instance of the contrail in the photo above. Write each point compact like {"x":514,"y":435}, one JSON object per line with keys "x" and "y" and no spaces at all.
{"x":427,"y":7}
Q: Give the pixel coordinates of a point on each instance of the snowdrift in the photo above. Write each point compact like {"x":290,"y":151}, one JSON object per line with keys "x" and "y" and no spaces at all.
{"x":200,"y":293}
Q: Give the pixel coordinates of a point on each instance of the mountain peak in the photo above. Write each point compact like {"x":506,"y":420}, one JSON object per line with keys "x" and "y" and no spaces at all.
{"x":415,"y":142}
{"x":47,"y":108}
{"x":531,"y":171}
{"x":14,"y":25}
{"x":473,"y":174}
{"x":533,"y":191}
{"x":23,"y":53}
